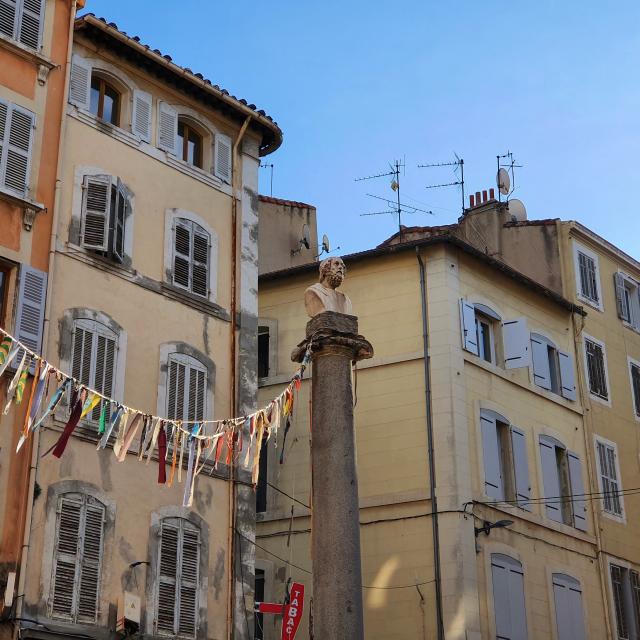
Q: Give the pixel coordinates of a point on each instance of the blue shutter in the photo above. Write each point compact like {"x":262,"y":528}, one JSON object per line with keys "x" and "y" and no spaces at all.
{"x":491,"y":454}
{"x":540,"y":355}
{"x":515,"y":337}
{"x":468,"y":327}
{"x":567,"y":376}
{"x":550,"y":478}
{"x":521,"y":467}
{"x":508,"y":598}
{"x":80,"y":83}
{"x":30,"y":316}
{"x":577,"y":488}
{"x":568,"y":603}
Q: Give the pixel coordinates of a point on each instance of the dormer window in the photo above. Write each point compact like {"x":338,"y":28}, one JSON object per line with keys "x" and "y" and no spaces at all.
{"x":189,"y":144}
{"x":104,"y":101}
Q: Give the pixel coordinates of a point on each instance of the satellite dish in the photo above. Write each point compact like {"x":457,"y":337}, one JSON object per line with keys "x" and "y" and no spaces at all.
{"x":325,"y":243}
{"x":306,"y":237}
{"x":503,"y":181}
{"x":517,"y":210}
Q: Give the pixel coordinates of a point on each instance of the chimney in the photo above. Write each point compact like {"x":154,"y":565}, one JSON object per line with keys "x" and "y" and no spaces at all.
{"x":472,"y":201}
{"x":492,"y":194}
{"x":484,"y":195}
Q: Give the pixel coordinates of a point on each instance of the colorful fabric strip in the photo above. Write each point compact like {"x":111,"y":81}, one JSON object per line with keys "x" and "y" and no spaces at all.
{"x":9,"y":359}
{"x":61,"y":445}
{"x":115,"y":419}
{"x":5,"y":347}
{"x":162,"y":455}
{"x":14,"y":383}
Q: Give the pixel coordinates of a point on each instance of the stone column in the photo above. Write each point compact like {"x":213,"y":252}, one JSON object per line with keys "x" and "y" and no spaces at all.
{"x":337,"y":574}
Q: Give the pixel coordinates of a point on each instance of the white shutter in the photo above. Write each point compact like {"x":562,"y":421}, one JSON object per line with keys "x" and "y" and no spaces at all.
{"x":468,"y":327}
{"x":508,"y":598}
{"x":91,"y":562}
{"x":96,"y":209}
{"x":577,"y":489}
{"x":80,"y":83}
{"x":17,"y":150}
{"x":31,"y":23}
{"x":186,"y":388}
{"x":521,"y":468}
{"x":200,"y":262}
{"x":32,"y":296}
{"x":516,"y":343}
{"x":141,"y":118}
{"x":551,"y":478}
{"x":167,"y":127}
{"x":540,"y":357}
{"x":8,"y":12}
{"x":222,"y":152}
{"x":491,"y":454}
{"x":568,"y":603}
{"x":567,"y":376}
{"x":621,"y":304}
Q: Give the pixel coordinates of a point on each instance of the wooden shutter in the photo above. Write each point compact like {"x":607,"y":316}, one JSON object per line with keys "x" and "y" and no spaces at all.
{"x":17,"y":151}
{"x":32,"y":296}
{"x":103,"y":377}
{"x":508,"y":598}
{"x":491,"y":453}
{"x":141,"y":117}
{"x":90,"y":567}
{"x":96,"y":211}
{"x":567,"y":376}
{"x":568,"y":604}
{"x":197,"y":384}
{"x":81,"y":353}
{"x":80,"y":83}
{"x":175,"y":390}
{"x":182,"y":253}
{"x":540,"y":357}
{"x":223,"y":151}
{"x":8,"y":13}
{"x":516,"y":343}
{"x":189,"y":570}
{"x":468,"y":326}
{"x":31,"y":23}
{"x":167,"y":127}
{"x":577,"y":489}
{"x":551,"y":478}
{"x":200,"y":262}
{"x":520,"y":467}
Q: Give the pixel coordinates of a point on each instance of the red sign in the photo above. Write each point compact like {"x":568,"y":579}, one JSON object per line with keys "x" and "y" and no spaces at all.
{"x":293,"y":612}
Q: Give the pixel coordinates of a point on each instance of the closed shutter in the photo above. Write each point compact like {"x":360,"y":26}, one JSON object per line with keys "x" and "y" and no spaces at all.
{"x":167,"y":579}
{"x":588,"y":277}
{"x":31,"y":23}
{"x":191,"y":257}
{"x":223,"y":152}
{"x":596,"y":369}
{"x":4,"y":118}
{"x":32,"y":296}
{"x":516,"y":343}
{"x":186,"y":388}
{"x":611,"y":500}
{"x":568,"y":603}
{"x":618,"y":575}
{"x":182,"y":254}
{"x":96,"y":211}
{"x":104,"y":369}
{"x":91,"y":563}
{"x":175,"y":390}
{"x":567,"y":376}
{"x":468,"y":326}
{"x":141,"y":118}
{"x":551,"y":478}
{"x":508,"y":598}
{"x":81,"y":354}
{"x":493,"y":486}
{"x":577,"y":490}
{"x":521,"y":467}
{"x":80,"y":83}
{"x":189,"y":568}
{"x":8,"y":12}
{"x":17,"y":150}
{"x":200,"y":265}
{"x":621,"y":300}
{"x":196,"y":394}
{"x":540,"y":357}
{"x":167,"y":127}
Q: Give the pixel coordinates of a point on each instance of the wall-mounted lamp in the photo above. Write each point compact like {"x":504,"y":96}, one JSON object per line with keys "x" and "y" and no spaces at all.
{"x":487,"y":526}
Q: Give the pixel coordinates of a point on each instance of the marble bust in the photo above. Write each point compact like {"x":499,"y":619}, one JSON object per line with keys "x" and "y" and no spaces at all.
{"x":323,"y":296}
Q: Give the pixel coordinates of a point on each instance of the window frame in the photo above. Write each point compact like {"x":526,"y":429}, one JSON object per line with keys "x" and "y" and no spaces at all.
{"x":183,"y":154}
{"x":577,"y":250}
{"x":635,"y":398}
{"x":632,"y":616}
{"x":510,"y":558}
{"x":103,"y":85}
{"x":621,"y":517}
{"x":633,"y":303}
{"x":271,"y":325}
{"x":587,"y":338}
{"x":565,"y":580}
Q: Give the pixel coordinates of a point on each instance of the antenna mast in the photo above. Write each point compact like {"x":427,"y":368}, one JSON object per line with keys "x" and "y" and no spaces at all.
{"x":509,"y":165}
{"x":264,"y":165}
{"x":458,"y":164}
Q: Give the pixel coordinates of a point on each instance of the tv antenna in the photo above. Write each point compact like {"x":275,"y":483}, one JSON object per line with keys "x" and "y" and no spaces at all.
{"x":459,"y":166}
{"x":505,"y":178}
{"x":395,"y":207}
{"x":265,"y":165}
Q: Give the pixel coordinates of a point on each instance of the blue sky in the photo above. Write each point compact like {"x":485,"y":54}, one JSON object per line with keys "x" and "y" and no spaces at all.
{"x":356,"y":84}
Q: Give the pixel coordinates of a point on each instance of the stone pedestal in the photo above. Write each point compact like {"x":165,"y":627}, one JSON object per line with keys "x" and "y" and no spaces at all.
{"x":337,"y":575}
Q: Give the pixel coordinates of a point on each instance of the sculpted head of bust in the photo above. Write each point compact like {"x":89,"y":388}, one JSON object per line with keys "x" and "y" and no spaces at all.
{"x":332,"y":272}
{"x":323,"y":296}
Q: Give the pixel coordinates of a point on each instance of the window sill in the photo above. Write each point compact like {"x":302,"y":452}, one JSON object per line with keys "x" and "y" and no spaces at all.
{"x":31,"y":55}
{"x":195,"y":301}
{"x":594,"y":305}
{"x":606,"y":402}
{"x":615,"y":518}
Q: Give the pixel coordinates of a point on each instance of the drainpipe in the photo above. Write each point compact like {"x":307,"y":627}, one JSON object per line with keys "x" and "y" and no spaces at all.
{"x":235,"y":172}
{"x":35,"y":450}
{"x":432,"y":468}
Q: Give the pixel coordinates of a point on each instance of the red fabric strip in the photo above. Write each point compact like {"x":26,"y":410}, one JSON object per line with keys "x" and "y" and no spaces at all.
{"x":162,"y":455}
{"x":74,"y":418}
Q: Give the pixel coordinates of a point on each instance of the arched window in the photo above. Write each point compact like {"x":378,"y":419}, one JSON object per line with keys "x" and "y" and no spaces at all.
{"x":186,"y":387}
{"x":189,"y":144}
{"x":567,"y":595}
{"x":508,"y":597}
{"x":104,"y":100}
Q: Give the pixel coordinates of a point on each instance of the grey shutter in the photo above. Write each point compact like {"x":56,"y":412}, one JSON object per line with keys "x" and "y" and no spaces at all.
{"x":521,"y":467}
{"x":141,"y":117}
{"x":222,"y":152}
{"x":8,"y":12}
{"x":568,"y":603}
{"x":80,"y":83}
{"x":118,"y":220}
{"x":4,"y":118}
{"x":516,"y":343}
{"x":195,"y":400}
{"x":104,"y":370}
{"x":31,"y":23}
{"x":609,"y":478}
{"x":491,"y":453}
{"x":567,"y":376}
{"x":551,"y":478}
{"x":167,"y":127}
{"x":18,"y":143}
{"x":468,"y":326}
{"x":621,"y":304}
{"x":90,"y":567}
{"x":96,"y":211}
{"x":200,"y":262}
{"x":182,"y":239}
{"x":508,"y":598}
{"x":81,"y":353}
{"x":189,"y":570}
{"x":540,"y":357}
{"x":32,"y":296}
{"x":577,"y":490}
{"x":167,"y":579}
{"x":176,"y":385}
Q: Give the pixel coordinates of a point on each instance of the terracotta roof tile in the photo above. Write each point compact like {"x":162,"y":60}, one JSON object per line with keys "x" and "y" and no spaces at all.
{"x":286,"y":203}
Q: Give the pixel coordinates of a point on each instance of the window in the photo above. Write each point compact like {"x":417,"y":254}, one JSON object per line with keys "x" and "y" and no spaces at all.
{"x":479,"y":328}
{"x":506,"y":469}
{"x":191,"y":244}
{"x":93,"y":360}
{"x":587,"y":276}
{"x":16,"y":140}
{"x":627,"y":299}
{"x":261,"y":489}
{"x":186,"y":387}
{"x":567,"y":595}
{"x":508,"y":598}
{"x":259,"y":597}
{"x":21,"y":20}
{"x":106,"y":205}
{"x":563,"y":486}
{"x":625,"y":587}
{"x":104,"y":100}
{"x":634,"y":371}
{"x":178,"y":578}
{"x":263,"y":352}
{"x":4,"y":291}
{"x":77,"y":564}
{"x":552,"y":368}
{"x":189,"y":144}
{"x":596,"y":368}
{"x":608,"y":474}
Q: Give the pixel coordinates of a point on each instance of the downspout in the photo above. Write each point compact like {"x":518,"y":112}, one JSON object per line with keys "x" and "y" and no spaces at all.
{"x":432,"y":468}
{"x":235,"y":172}
{"x":35,"y":450}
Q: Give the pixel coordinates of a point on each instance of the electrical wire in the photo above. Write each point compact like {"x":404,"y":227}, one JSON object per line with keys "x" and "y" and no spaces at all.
{"x":284,"y":493}
{"x":569,"y":497}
